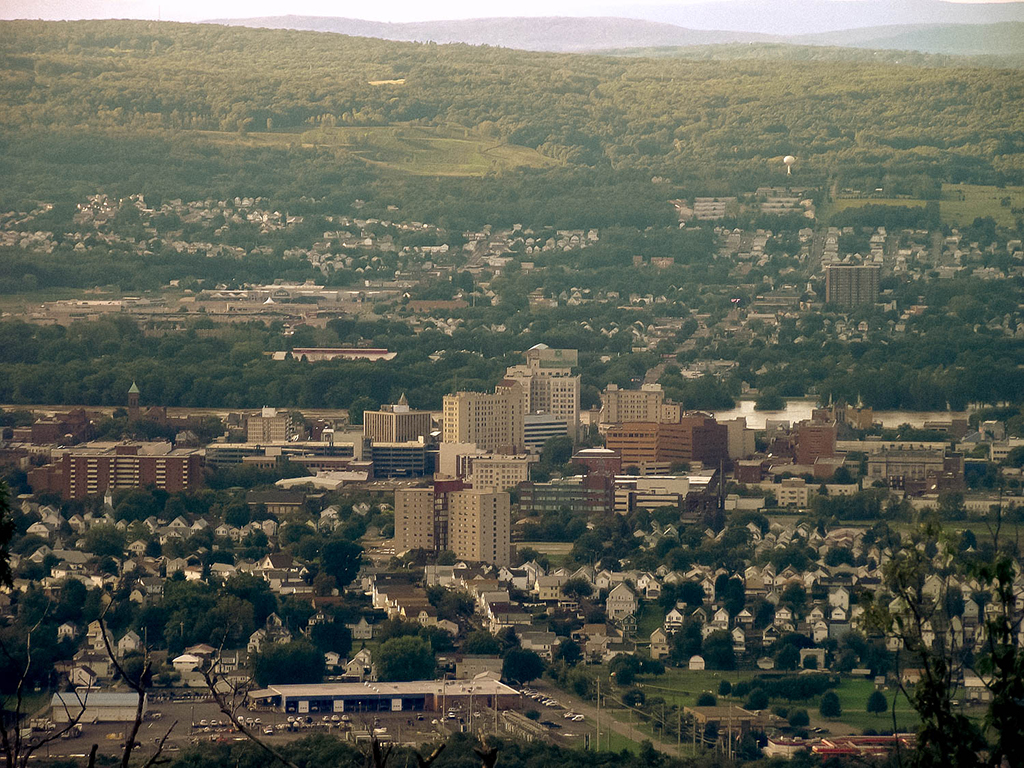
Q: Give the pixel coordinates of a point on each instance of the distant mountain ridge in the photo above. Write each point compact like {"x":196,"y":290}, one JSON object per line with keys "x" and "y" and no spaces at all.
{"x":807,"y":17}
{"x":562,"y":34}
{"x":573,"y":34}
{"x":1005,"y":39}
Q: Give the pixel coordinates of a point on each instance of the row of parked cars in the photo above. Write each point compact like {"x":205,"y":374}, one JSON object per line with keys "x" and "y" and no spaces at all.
{"x":540,"y":698}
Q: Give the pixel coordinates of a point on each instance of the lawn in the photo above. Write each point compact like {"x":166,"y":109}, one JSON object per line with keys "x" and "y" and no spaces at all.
{"x":652,"y":616}
{"x":853,"y":697}
{"x":959,"y":205}
{"x":859,"y":202}
{"x":419,"y":150}
{"x":962,"y":203}
{"x":681,"y":687}
{"x":616,"y":742}
{"x":557,"y":552}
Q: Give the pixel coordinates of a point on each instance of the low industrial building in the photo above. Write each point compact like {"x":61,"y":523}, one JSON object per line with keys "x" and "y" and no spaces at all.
{"x":413,"y":696}
{"x":99,"y":707}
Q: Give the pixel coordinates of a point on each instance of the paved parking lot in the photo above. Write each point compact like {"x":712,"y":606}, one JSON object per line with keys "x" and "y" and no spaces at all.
{"x":197,"y":718}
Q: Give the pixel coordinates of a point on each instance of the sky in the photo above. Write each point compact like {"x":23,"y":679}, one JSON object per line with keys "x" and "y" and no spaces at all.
{"x":381,"y":10}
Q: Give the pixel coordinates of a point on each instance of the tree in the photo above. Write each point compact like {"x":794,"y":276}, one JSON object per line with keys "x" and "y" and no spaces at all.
{"x":877,"y":703}
{"x":707,"y":699}
{"x":481,"y":643}
{"x":294,"y":662}
{"x":718,"y":651}
{"x":331,"y":636}
{"x":799,"y":718}
{"x":6,"y":534}
{"x":557,"y":451}
{"x":569,"y":652}
{"x":624,"y":668}
{"x":577,"y":588}
{"x":830,"y":706}
{"x":724,"y":688}
{"x":104,"y":540}
{"x":341,"y":559}
{"x":404,"y":658}
{"x":522,"y":666}
{"x":757,"y":699}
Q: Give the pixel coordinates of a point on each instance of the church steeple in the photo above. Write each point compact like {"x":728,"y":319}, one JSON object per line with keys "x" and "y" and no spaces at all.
{"x":133,"y":402}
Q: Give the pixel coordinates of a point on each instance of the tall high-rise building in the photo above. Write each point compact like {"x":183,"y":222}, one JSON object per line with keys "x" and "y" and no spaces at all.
{"x":270,"y":426}
{"x":815,"y":440}
{"x":849,"y":285}
{"x":619,"y":406}
{"x":549,"y":384}
{"x":493,"y":422}
{"x":479,"y":526}
{"x":421,"y":516}
{"x":396,"y":423}
{"x":415,"y":520}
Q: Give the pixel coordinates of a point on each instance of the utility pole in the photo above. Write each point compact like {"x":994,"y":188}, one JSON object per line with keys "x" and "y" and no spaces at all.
{"x":599,"y":714}
{"x":679,"y":732}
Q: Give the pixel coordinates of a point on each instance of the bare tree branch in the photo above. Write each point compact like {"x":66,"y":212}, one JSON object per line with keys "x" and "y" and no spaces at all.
{"x":229,"y":708}
{"x":155,"y":759}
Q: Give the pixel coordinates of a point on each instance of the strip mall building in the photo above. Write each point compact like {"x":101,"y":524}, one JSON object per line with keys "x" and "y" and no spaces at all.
{"x":413,"y":696}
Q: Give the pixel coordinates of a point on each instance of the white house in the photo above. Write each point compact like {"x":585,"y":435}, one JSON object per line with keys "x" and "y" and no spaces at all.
{"x":621,"y":602}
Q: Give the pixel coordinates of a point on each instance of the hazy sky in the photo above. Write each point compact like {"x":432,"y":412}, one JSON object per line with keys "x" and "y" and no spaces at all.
{"x":381,"y":10}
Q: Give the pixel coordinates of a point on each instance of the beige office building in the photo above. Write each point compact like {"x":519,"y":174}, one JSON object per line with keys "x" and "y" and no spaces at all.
{"x":549,"y":385}
{"x":500,"y":472}
{"x":270,"y":426}
{"x":396,"y":423}
{"x":646,"y":404}
{"x":479,"y":526}
{"x":492,"y":422}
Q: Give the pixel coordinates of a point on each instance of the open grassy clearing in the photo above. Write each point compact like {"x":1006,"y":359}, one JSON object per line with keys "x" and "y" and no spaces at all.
{"x":959,"y":205}
{"x":859,"y":202}
{"x":420,"y":150}
{"x":557,"y":552}
{"x":681,"y":687}
{"x":962,"y":203}
{"x":853,"y":697}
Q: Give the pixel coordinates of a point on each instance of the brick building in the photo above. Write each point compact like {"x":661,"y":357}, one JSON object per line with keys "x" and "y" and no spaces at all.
{"x":91,"y":470}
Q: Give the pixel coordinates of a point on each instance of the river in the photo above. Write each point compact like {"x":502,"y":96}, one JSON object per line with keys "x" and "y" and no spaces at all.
{"x":800,"y":409}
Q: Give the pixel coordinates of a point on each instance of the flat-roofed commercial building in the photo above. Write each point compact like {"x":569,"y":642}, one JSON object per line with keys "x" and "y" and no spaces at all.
{"x":493,"y":422}
{"x":270,"y":426}
{"x":396,"y":423}
{"x":99,"y":707}
{"x":634,"y":405}
{"x":591,"y":494}
{"x":93,"y":469}
{"x":500,"y":472}
{"x":549,"y":385}
{"x":849,"y":285}
{"x":412,"y":696}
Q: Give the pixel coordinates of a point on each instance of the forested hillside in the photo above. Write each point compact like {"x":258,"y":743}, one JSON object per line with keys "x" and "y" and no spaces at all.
{"x":709,"y":125}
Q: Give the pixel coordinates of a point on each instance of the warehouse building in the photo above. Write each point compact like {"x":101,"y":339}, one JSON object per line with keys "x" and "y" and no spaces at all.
{"x":413,"y":696}
{"x":99,"y":707}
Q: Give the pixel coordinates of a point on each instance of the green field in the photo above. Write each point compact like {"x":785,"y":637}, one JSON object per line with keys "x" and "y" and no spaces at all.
{"x":853,"y":696}
{"x":557,"y":552}
{"x":681,"y":687}
{"x":859,"y":202}
{"x":963,"y":203}
{"x":959,"y":206}
{"x":420,"y":150}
